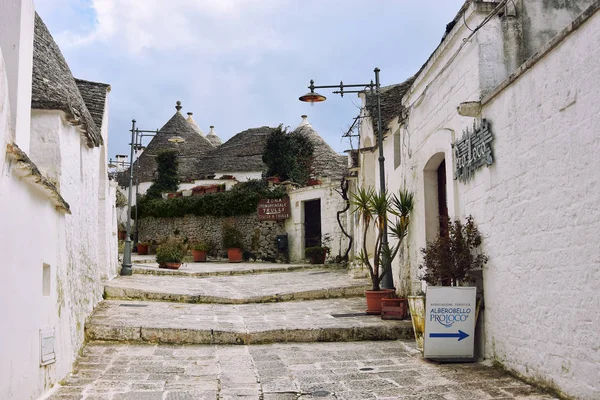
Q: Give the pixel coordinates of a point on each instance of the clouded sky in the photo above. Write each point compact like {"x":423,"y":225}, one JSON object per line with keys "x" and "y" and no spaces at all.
{"x":239,"y":64}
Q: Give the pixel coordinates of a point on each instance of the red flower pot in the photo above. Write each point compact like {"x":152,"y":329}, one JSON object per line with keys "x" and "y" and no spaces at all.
{"x":199,"y":256}
{"x":211,"y":189}
{"x":234,"y":255}
{"x":374,"y":299}
{"x":142,"y":249}
{"x":122,"y":235}
{"x":394,"y":308}
{"x":319,"y":259}
{"x":172,"y":265}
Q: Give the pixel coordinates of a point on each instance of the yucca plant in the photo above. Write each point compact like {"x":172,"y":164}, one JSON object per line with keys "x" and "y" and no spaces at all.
{"x":374,"y":209}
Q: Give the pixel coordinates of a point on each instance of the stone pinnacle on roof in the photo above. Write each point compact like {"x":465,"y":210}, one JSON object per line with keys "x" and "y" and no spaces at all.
{"x":178,"y":106}
{"x":213,"y":138}
{"x":193,"y":124}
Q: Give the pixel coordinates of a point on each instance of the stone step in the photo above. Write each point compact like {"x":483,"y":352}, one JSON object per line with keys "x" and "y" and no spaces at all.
{"x":333,"y":320}
{"x":241,"y":289}
{"x":200,"y":270}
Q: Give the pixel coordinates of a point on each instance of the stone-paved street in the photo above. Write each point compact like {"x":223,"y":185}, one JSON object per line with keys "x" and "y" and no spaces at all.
{"x":354,"y":370}
{"x":260,"y":331}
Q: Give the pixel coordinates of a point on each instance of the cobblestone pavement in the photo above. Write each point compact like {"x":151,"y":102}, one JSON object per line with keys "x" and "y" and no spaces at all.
{"x":290,"y":321}
{"x":357,"y":370}
{"x":305,"y":285}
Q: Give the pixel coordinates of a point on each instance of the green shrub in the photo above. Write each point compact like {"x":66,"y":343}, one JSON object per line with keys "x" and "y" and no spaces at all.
{"x":242,"y":199}
{"x":232,"y":237}
{"x":200,"y":246}
{"x":170,"y":252}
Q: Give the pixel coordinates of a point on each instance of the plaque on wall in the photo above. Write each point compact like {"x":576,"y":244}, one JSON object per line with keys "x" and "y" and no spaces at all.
{"x":473,"y":150}
{"x":273,"y":209}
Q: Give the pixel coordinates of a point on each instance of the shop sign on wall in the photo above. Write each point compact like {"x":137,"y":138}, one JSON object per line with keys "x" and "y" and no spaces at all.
{"x":273,"y":209}
{"x":473,"y":150}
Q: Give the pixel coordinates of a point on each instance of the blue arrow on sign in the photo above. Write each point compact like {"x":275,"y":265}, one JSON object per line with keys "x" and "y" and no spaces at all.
{"x":460,"y":335}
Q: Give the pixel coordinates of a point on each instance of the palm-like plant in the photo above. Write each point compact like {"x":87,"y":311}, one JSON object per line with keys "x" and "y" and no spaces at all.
{"x":375,"y":208}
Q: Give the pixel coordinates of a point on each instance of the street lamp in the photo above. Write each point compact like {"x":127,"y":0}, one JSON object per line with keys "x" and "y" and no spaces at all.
{"x":136,"y":144}
{"x":312,"y":97}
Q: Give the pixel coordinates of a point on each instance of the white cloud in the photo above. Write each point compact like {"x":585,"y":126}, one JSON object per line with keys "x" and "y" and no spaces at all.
{"x":206,"y":26}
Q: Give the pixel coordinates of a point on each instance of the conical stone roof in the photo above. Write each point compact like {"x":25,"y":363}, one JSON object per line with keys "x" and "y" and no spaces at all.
{"x":326,"y":161}
{"x":53,"y":85}
{"x":242,"y":153}
{"x":188,"y":151}
{"x":213,"y":138}
{"x":193,"y":124}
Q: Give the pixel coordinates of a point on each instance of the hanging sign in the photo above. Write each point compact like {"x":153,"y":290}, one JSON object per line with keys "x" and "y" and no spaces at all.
{"x":473,"y":150}
{"x":450,"y":314}
{"x":273,"y":209}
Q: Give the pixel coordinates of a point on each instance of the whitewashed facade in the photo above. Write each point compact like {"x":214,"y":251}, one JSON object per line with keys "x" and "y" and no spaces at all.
{"x":533,"y":73}
{"x":58,"y":229}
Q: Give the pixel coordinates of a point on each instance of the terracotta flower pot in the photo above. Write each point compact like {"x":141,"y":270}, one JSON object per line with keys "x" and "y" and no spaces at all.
{"x":394,"y":308}
{"x":142,"y":249}
{"x":319,"y":258}
{"x":211,"y":189}
{"x":199,"y":256}
{"x":171,"y":265}
{"x":374,"y":299}
{"x":234,"y":255}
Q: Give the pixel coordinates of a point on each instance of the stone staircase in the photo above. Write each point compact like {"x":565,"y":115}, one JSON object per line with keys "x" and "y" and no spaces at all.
{"x":246,"y":303}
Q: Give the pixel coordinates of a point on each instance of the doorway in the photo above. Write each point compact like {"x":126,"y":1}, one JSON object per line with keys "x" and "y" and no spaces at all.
{"x":436,"y":202}
{"x":442,"y":199}
{"x":312,"y":223}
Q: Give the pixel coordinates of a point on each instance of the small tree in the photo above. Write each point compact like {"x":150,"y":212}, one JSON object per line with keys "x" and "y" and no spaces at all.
{"x":373,"y":207}
{"x":449,"y":258}
{"x":288,"y":155}
{"x":167,"y":179}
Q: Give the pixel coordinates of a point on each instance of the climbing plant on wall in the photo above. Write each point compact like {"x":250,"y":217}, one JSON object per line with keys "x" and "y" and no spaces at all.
{"x":288,"y":155}
{"x":167,"y":179}
{"x":242,"y":199}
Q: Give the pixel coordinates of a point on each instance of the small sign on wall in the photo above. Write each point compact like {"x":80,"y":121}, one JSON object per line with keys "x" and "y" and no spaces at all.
{"x":273,"y":209}
{"x":450,"y":314}
{"x":473,"y":150}
{"x":47,"y":353}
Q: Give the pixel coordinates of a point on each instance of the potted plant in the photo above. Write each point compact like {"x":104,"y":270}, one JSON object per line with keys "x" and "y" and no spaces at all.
{"x":233,"y":242}
{"x":170,"y":255}
{"x":447,"y":261}
{"x":199,"y":251}
{"x":317,"y":254}
{"x":374,"y":209}
{"x":122,"y":232}
{"x":142,"y":248}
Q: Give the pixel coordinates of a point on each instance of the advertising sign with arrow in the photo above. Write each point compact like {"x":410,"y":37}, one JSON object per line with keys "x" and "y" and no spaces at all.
{"x":450,"y":322}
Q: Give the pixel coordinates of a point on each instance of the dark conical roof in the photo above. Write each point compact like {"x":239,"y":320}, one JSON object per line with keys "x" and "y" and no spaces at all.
{"x":243,"y":152}
{"x":326,"y":161}
{"x":53,"y":85}
{"x":188,"y":151}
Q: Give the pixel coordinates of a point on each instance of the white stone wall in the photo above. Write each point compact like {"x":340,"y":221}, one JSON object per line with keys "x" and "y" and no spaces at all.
{"x":34,"y":236}
{"x":331,"y":202}
{"x":537,"y":206}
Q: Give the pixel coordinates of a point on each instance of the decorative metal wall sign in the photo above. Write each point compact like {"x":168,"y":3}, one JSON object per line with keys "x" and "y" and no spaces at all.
{"x":274,"y":209}
{"x":473,"y":150}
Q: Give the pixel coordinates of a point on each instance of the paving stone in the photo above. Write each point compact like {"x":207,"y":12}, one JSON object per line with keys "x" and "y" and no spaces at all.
{"x":247,"y":372}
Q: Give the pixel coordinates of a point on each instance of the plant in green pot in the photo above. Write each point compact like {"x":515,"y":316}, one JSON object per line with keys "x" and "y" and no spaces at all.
{"x":170,"y":255}
{"x":374,"y":210}
{"x":448,"y":260}
{"x":233,"y":242}
{"x":199,"y":251}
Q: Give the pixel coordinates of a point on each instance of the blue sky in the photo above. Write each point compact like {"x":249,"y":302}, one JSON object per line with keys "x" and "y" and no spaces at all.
{"x":238,"y":64}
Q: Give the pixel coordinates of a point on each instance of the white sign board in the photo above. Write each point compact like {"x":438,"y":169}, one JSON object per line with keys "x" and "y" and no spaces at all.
{"x":450,"y":322}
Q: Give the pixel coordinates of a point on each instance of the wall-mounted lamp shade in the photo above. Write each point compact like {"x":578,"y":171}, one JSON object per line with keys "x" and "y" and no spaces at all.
{"x":176,"y":139}
{"x":312,"y":97}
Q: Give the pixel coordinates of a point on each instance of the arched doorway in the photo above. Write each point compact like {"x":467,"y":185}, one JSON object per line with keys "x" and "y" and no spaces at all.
{"x":436,"y":196}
